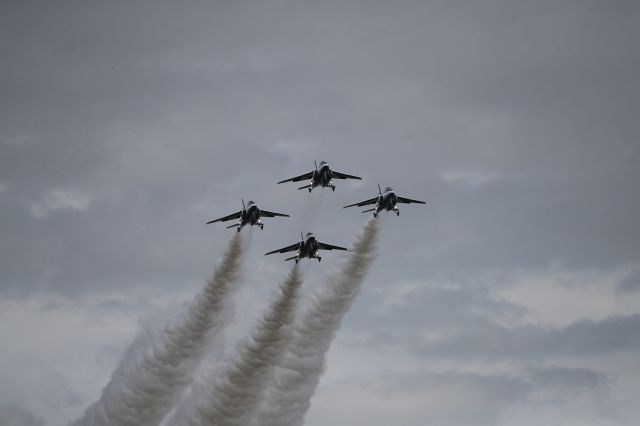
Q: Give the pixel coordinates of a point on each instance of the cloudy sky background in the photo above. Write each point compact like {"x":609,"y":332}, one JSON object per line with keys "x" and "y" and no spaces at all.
{"x":512,"y":298}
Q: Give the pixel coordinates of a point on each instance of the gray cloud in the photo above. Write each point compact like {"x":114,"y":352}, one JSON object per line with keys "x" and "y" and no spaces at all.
{"x":15,"y":415}
{"x":583,"y":338}
{"x":564,"y":381}
{"x":147,"y":96}
{"x":467,"y":324}
{"x":469,"y":397}
{"x":630,"y":283}
{"x":487,"y":395}
{"x":516,"y":121}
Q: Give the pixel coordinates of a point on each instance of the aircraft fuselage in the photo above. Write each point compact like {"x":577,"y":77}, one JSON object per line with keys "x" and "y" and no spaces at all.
{"x":387,"y":201}
{"x":322,"y":177}
{"x":308,"y":248}
{"x":250,"y":216}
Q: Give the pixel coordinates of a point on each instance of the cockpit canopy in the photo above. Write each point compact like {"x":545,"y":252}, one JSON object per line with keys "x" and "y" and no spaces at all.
{"x":388,"y":189}
{"x":323,"y":163}
{"x":251,"y":203}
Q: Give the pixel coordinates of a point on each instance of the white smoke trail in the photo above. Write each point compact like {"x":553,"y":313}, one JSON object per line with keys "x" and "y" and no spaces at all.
{"x":231,"y":397}
{"x":145,"y":386}
{"x":288,"y":395}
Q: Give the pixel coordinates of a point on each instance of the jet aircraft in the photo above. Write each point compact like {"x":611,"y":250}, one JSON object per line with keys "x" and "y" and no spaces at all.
{"x":308,"y":247}
{"x":322,"y":176}
{"x":249,"y":215}
{"x":387,"y":200}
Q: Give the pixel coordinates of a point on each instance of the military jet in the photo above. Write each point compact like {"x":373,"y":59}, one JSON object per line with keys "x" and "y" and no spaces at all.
{"x":307,"y":247}
{"x":322,"y":176}
{"x":250,"y":214}
{"x":387,"y":200}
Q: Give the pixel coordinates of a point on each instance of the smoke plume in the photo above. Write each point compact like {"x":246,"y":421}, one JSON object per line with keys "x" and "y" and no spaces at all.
{"x":147,"y":383}
{"x":231,"y":397}
{"x":288,"y":395}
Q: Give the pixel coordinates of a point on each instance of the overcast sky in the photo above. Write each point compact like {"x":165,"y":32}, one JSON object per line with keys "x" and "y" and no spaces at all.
{"x":511,"y":298}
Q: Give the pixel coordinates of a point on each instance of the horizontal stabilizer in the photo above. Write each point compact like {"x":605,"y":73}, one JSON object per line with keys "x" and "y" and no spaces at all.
{"x":233,"y":226}
{"x":367,"y":211}
{"x":305,"y":187}
{"x":291,"y":258}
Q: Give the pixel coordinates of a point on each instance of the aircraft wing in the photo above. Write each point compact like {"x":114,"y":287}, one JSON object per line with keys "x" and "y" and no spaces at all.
{"x":266,"y":213}
{"x":339,"y":175}
{"x":363,"y":203}
{"x":225,"y":218}
{"x":298,"y":178}
{"x":324,"y":246}
{"x":292,"y":247}
{"x":409,"y":201}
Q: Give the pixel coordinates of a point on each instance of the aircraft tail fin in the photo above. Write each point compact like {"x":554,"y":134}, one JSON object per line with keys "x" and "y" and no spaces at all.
{"x":316,"y":163}
{"x":243,"y":206}
{"x":379,"y":189}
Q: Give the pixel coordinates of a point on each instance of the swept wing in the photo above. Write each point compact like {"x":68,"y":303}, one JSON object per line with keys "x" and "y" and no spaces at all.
{"x":298,"y":178}
{"x":409,"y":200}
{"x":292,"y":247}
{"x":225,"y":218}
{"x":267,"y":213}
{"x":338,"y":175}
{"x":324,"y":246}
{"x":363,"y":203}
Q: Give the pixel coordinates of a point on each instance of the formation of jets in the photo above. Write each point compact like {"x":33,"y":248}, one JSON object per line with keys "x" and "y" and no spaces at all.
{"x":322,"y":176}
